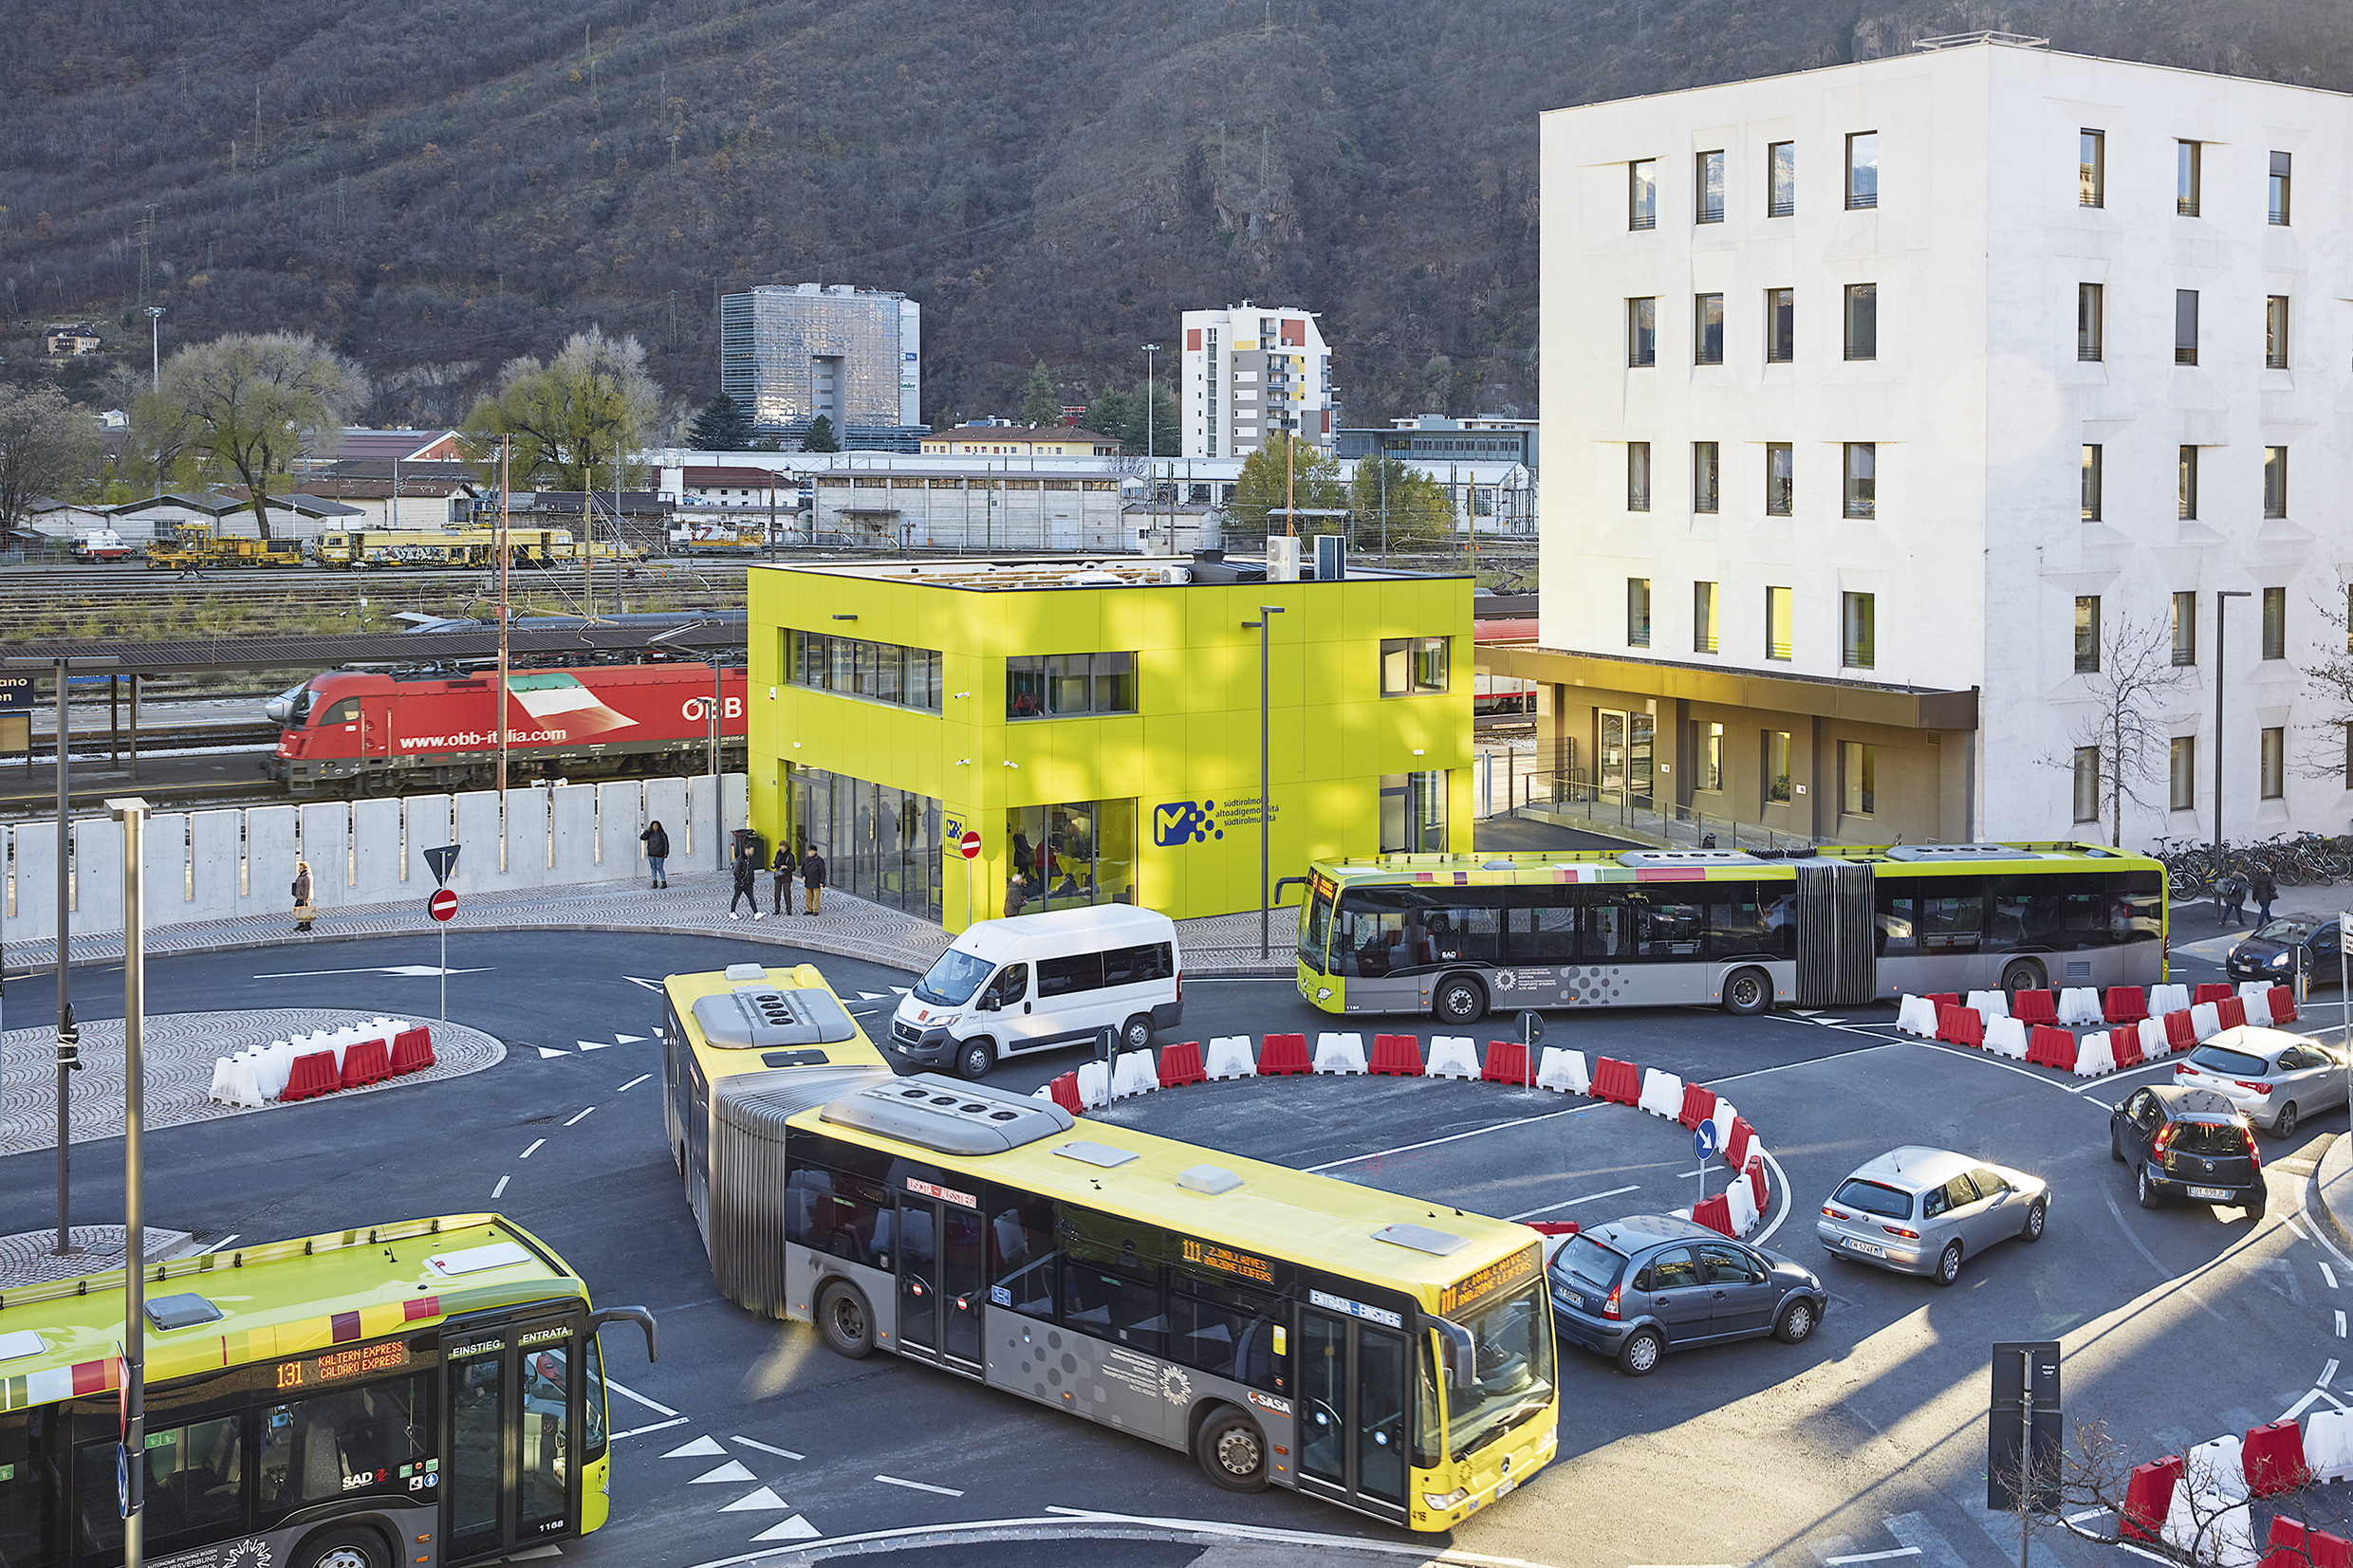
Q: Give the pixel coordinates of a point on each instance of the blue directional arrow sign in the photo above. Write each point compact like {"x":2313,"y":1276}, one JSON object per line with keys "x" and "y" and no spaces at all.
{"x":1703,"y":1140}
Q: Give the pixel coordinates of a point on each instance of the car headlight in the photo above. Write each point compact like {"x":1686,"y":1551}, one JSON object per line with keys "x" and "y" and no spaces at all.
{"x":2280,"y":960}
{"x":1440,"y":1501}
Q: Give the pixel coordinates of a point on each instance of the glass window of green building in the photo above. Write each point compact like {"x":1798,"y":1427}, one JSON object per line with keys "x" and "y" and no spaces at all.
{"x":1080,"y":852}
{"x":1412,"y":813}
{"x":851,"y":667}
{"x":878,"y":844}
{"x":1412,"y":666}
{"x":1062,"y":686}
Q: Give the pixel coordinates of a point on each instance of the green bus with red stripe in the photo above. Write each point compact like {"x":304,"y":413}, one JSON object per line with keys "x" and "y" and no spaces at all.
{"x":426,"y":1393}
{"x":1455,"y":935}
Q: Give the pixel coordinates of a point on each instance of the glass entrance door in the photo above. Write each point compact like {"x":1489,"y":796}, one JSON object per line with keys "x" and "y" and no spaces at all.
{"x":1356,"y":1426}
{"x":510,"y":1398}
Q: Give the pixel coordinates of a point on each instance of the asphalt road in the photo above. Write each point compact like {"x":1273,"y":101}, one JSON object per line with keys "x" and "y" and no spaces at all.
{"x":2179,"y":1324}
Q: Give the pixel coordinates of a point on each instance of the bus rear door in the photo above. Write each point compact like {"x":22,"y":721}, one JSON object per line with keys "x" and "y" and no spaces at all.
{"x":511,"y":1403}
{"x":940,"y":1280}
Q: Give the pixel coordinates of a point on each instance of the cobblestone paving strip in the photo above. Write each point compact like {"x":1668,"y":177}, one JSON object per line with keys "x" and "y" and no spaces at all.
{"x":29,"y":1258}
{"x":180,"y":1050}
{"x":694,"y":904}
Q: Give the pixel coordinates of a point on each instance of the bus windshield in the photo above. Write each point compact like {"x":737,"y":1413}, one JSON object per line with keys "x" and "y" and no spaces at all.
{"x":1315,"y":923}
{"x":1513,"y":1370}
{"x":952,"y":982}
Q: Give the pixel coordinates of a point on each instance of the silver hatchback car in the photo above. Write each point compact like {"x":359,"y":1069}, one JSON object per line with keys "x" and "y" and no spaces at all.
{"x":1920,"y":1210}
{"x":2274,"y":1077}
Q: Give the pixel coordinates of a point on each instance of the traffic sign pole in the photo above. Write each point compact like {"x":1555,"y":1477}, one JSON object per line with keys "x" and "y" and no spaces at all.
{"x":969,"y":846}
{"x":442,"y":906}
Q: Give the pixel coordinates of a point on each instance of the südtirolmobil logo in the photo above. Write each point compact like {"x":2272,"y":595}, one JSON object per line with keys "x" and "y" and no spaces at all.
{"x":1178,"y":823}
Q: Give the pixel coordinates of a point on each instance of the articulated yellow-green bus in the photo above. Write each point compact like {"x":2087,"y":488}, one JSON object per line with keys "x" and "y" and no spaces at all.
{"x":1455,"y":935}
{"x":428,"y":1392}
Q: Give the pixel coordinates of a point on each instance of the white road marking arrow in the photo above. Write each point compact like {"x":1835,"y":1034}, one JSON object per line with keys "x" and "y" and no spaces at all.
{"x":765,"y":1498}
{"x":546,"y":1051}
{"x":408,"y":970}
{"x":641,"y":979}
{"x":594,"y":1044}
{"x":629,"y":1040}
{"x":873,"y":996}
{"x":732,"y":1470}
{"x":700,"y":1446}
{"x":795,"y":1529}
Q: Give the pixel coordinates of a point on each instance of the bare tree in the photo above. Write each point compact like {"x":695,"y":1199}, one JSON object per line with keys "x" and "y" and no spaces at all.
{"x":253,"y":400}
{"x":46,"y":444}
{"x":2126,"y":723}
{"x":2330,"y":683}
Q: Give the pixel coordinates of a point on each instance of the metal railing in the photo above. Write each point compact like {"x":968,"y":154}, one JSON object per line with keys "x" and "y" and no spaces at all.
{"x":1545,"y":786}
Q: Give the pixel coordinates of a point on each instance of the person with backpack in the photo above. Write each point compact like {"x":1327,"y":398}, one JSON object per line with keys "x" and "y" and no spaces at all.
{"x":783,"y":866}
{"x":2231,"y":899}
{"x":812,"y":877}
{"x":656,"y":852}
{"x":2262,"y":889}
{"x":747,"y":886}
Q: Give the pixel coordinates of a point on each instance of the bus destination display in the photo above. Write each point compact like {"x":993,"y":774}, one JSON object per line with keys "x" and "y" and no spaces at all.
{"x":1226,"y":1260}
{"x":1496,"y":1277}
{"x":336,"y":1365}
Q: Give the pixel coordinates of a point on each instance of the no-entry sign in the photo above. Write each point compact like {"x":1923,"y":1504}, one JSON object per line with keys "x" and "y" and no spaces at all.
{"x":442,"y":905}
{"x":969,"y":846}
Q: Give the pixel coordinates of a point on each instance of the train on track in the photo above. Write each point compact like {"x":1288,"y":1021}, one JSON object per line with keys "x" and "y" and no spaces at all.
{"x":391,"y":732}
{"x":363,"y":549}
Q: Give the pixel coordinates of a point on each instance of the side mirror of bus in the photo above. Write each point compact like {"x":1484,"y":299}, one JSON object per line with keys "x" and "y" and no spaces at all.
{"x":639,"y":1316}
{"x":1459,"y":1351}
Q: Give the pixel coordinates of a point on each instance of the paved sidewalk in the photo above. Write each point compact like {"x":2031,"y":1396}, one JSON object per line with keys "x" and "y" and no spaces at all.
{"x":180,"y":1050}
{"x":694,"y":903}
{"x":28,"y":1258}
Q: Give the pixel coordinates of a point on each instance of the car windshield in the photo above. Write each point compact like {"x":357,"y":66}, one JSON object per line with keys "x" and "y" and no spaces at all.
{"x":951,"y":980}
{"x":2285,"y":933}
{"x":1583,"y":1260}
{"x":1513,"y":1369}
{"x":1873,"y":1198}
{"x":2211,"y":1138}
{"x":2234,"y":1064}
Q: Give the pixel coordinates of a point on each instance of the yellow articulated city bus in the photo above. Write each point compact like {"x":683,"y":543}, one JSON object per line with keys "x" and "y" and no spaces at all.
{"x":428,"y":1392}
{"x":1391,"y":1356}
{"x":1457,"y":934}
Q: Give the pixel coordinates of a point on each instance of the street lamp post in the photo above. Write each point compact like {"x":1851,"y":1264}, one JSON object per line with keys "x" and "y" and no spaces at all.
{"x":132,"y":814}
{"x":2222,"y":647}
{"x":1152,"y":450}
{"x":1265,"y":788}
{"x":154,"y":356}
{"x":67,"y":1035}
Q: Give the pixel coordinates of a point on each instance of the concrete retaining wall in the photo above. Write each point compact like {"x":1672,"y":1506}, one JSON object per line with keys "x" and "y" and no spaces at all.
{"x":215,"y":865}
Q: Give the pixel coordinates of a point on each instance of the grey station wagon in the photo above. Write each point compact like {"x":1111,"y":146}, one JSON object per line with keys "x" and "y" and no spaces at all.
{"x":1921,"y":1210}
{"x":1638,"y":1287}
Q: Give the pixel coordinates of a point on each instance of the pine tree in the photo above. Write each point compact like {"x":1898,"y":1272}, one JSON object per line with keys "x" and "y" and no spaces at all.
{"x":722,"y":426}
{"x":821,"y":437}
{"x":1038,"y":406}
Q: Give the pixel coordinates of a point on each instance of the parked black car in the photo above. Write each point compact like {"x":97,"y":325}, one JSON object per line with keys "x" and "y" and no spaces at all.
{"x":1637,"y":1287}
{"x":2268,"y":952}
{"x":2187,"y":1143}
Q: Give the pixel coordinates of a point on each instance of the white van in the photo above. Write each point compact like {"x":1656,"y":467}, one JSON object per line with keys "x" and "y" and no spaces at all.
{"x":1037,"y":981}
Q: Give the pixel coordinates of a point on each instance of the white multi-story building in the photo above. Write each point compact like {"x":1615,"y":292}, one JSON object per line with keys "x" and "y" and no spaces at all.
{"x":1886,"y":406}
{"x":791,"y":353}
{"x":1248,"y":371}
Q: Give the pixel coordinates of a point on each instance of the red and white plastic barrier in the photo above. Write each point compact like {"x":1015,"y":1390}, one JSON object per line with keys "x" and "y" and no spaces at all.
{"x":2007,"y":1036}
{"x":1133,"y":1073}
{"x":1453,"y":1056}
{"x":2168,"y":998}
{"x":1662,"y":1093}
{"x":1564,"y":1070}
{"x":350,"y":1057}
{"x":1916,"y":1015}
{"x":2079,"y":1006}
{"x":1229,"y":1057}
{"x":1990,"y":1004}
{"x":1339,"y":1053}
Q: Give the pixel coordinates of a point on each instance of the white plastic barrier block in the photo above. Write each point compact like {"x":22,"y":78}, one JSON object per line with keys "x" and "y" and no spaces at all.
{"x":1044,"y":1092}
{"x":1564,"y":1070}
{"x":2218,"y":1468}
{"x":1743,"y":1204}
{"x":1230,"y":1057}
{"x":2007,"y":1036}
{"x":2254,"y":993}
{"x":1094,"y":1085}
{"x":1916,"y":1015}
{"x":2152,"y":1040}
{"x":2080,"y":1006}
{"x":1990,"y":1004}
{"x":1339,"y":1053}
{"x":1133,"y":1073}
{"x":2094,"y":1057}
{"x":2328,"y":1444}
{"x":2205,"y":1022}
{"x":2205,"y":1526}
{"x":1662,"y":1093}
{"x":2168,"y":998}
{"x":1722,"y":1121}
{"x":1453,"y":1056}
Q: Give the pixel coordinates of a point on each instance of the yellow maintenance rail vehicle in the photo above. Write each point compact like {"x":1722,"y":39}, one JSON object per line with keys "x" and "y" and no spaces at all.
{"x":374,"y":549}
{"x":201,"y":546}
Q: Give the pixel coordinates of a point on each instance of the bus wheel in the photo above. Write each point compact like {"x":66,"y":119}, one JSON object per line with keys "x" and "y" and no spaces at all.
{"x":344,"y":1548}
{"x":843,"y":1318}
{"x":1231,"y":1450}
{"x":1459,"y":999}
{"x":975,"y":1057}
{"x":2025,"y":975}
{"x":1747,"y":992}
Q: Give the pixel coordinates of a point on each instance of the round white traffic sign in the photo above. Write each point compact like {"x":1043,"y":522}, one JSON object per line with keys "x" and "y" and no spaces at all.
{"x":969,"y":846}
{"x":442,"y":905}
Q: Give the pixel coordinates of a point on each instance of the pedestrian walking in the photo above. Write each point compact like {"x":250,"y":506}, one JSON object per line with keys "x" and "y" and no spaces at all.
{"x":656,"y":844}
{"x":812,"y":877}
{"x":783,"y":866}
{"x":304,"y":912}
{"x":2230,"y":896}
{"x":747,"y":887}
{"x":2261,"y":888}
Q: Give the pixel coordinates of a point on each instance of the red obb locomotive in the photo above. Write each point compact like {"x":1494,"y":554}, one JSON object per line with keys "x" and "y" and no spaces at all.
{"x":365,"y":732}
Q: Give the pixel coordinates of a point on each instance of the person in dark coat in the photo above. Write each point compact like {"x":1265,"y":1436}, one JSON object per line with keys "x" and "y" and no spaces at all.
{"x":656,"y":852}
{"x":812,"y":877}
{"x":747,"y":887}
{"x":302,"y":892}
{"x":783,"y":866}
{"x":2231,"y":899}
{"x":2262,"y":889}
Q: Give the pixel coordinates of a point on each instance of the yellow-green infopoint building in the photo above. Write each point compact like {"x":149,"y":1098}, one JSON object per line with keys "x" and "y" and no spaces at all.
{"x":1097,"y":724}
